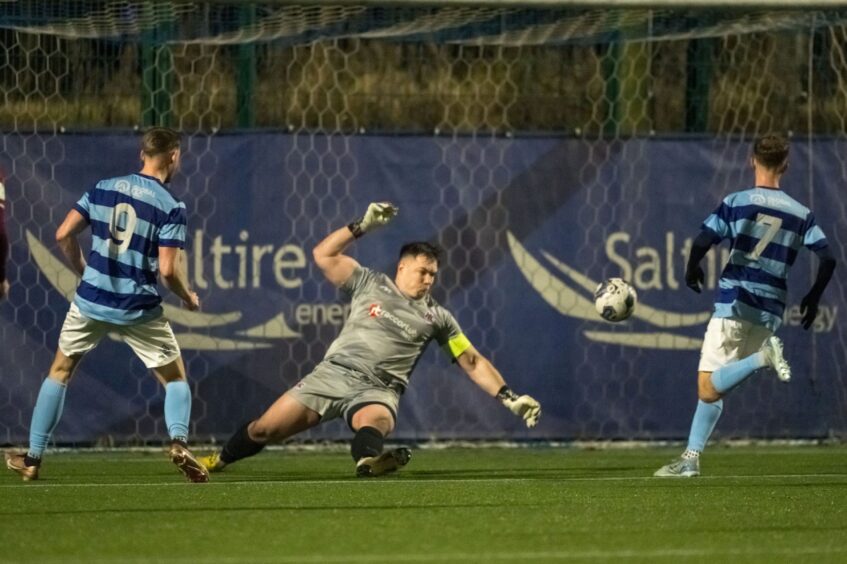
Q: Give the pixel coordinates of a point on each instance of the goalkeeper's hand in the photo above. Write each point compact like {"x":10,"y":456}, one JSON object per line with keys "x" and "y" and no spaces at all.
{"x":525,"y":407}
{"x":377,"y":215}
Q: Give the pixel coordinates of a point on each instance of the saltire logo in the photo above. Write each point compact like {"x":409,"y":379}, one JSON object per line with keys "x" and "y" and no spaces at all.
{"x":565,"y":289}
{"x":66,"y":281}
{"x":569,"y":292}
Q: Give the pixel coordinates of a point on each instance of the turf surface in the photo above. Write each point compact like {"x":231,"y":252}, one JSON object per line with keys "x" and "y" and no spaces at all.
{"x":762,"y":504}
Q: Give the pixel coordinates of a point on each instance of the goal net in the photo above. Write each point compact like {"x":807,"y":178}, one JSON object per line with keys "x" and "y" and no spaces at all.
{"x":544,"y":148}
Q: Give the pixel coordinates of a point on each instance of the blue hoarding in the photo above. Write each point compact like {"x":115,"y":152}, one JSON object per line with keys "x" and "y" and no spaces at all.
{"x":530,"y":226}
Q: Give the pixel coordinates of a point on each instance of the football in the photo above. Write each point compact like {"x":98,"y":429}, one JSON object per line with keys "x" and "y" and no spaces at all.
{"x":615,"y":299}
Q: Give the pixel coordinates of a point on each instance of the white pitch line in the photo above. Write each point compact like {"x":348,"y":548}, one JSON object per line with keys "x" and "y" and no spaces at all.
{"x":426,"y":481}
{"x":608,"y":555}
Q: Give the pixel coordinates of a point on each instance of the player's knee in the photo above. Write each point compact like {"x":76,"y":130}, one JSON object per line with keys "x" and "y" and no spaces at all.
{"x":61,"y":375}
{"x":61,"y":372}
{"x":259,"y":432}
{"x":709,"y":397}
{"x":373,"y":416}
{"x":385,"y":424}
{"x":706,"y":391}
{"x":62,"y":368}
{"x":174,"y":371}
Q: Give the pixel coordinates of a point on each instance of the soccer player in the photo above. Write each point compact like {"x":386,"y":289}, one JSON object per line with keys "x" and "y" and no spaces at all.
{"x":138,"y":231}
{"x":368,"y":366}
{"x":765,"y":228}
{"x":4,"y":242}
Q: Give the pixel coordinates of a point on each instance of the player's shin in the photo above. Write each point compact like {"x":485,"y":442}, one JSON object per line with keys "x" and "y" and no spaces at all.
{"x":177,"y":410}
{"x":705,"y":418}
{"x":45,"y":417}
{"x":368,"y":442}
{"x":240,"y":445}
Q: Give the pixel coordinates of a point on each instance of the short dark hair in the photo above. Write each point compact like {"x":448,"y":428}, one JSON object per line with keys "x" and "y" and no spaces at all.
{"x":418,"y":248}
{"x":159,"y":140}
{"x":771,"y":151}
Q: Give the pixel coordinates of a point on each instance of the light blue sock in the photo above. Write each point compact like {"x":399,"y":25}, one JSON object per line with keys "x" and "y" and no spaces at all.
{"x":177,"y":409}
{"x":705,"y":418}
{"x":726,"y":378}
{"x":46,"y":415}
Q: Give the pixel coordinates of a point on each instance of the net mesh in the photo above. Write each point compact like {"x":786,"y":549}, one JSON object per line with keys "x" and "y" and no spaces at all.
{"x":473,"y":77}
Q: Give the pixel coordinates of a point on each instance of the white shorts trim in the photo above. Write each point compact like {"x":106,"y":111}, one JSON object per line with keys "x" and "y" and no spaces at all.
{"x":728,"y":340}
{"x":153,"y":341}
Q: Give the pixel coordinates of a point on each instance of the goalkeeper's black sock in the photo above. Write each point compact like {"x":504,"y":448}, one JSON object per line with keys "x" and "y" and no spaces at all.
{"x":240,"y":445}
{"x":367,"y":442}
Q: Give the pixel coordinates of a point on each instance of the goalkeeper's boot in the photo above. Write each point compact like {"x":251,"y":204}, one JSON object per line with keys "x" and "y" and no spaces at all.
{"x":772,"y":351}
{"x":680,"y":468}
{"x":213,"y":462}
{"x":388,"y":461}
{"x":187,"y":464}
{"x":17,"y":463}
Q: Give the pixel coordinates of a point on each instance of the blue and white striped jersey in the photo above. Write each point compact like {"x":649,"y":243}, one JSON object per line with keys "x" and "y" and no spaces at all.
{"x":765,"y":228}
{"x":130,"y":217}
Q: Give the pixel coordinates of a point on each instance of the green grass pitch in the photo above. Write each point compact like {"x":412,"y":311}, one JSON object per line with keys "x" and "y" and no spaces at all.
{"x":759,"y":504}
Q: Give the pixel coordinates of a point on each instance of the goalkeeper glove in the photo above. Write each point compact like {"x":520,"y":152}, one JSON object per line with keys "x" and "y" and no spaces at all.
{"x":523,"y":406}
{"x":377,"y":215}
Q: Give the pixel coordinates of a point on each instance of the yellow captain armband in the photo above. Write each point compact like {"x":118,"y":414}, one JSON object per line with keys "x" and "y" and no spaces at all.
{"x":457,"y":345}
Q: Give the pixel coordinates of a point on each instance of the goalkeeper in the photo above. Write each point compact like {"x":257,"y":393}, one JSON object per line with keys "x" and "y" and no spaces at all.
{"x":367,"y":367}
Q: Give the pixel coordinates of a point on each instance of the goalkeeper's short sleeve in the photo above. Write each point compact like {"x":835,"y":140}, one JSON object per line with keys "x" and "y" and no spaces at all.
{"x":450,"y":337}
{"x":361,"y":279}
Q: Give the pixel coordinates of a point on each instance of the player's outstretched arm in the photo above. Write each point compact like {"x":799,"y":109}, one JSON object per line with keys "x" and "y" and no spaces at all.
{"x":66,"y":237}
{"x":173,"y":269}
{"x":329,"y":253}
{"x":694,"y":275}
{"x":486,"y":376}
{"x":809,"y":304}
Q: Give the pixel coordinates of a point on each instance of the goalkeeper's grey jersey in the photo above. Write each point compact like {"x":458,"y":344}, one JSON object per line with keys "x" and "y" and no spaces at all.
{"x":386,"y":332}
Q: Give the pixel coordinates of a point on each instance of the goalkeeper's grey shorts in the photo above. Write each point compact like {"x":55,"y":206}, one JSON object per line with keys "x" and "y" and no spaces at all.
{"x":335,"y":391}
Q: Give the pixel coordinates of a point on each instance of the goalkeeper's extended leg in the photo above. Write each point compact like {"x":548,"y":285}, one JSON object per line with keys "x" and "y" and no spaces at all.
{"x":240,"y":445}
{"x":285,"y":418}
